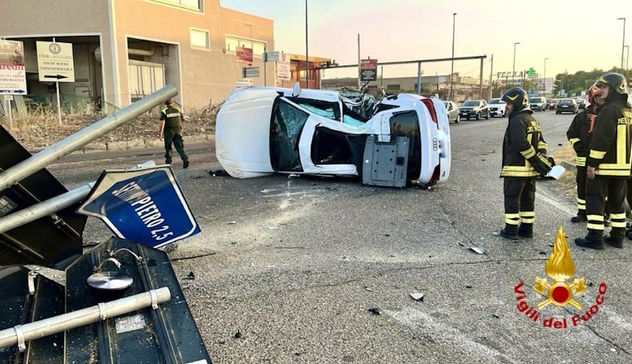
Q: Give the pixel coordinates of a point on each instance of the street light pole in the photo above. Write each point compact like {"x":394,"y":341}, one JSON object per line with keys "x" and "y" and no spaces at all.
{"x":513,"y":70}
{"x":544,"y":77}
{"x":623,"y":42}
{"x":306,"y":50}
{"x":627,"y":57}
{"x":452,"y":68}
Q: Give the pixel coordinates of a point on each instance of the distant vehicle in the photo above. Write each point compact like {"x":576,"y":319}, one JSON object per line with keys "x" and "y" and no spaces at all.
{"x":567,"y":105}
{"x":537,"y":103}
{"x":581,"y":103}
{"x":262,"y":130}
{"x":474,"y":109}
{"x":552,"y":104}
{"x":497,"y":107}
{"x":452,"y":108}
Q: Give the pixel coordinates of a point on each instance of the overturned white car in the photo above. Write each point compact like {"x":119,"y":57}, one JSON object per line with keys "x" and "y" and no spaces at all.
{"x":261,"y":130}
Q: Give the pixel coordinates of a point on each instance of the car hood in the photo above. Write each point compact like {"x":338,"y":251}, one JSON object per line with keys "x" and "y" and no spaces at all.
{"x":242,"y":132}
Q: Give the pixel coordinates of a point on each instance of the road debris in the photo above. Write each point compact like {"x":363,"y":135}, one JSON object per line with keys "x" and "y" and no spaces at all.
{"x":479,"y":249}
{"x":375,"y":310}
{"x":417,"y":296}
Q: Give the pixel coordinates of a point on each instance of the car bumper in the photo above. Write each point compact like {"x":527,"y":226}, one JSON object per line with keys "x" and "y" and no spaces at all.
{"x":468,"y":114}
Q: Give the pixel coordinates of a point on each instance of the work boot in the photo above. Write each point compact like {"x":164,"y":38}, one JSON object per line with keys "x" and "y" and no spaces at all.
{"x":526,"y":231}
{"x":185,"y":164}
{"x":614,"y":241}
{"x":509,"y":232}
{"x":581,"y":217}
{"x":591,"y":241}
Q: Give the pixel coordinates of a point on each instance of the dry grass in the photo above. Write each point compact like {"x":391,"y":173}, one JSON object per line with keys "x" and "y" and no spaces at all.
{"x":40,"y":127}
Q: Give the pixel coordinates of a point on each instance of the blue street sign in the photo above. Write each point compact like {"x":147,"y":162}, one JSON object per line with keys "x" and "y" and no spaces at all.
{"x":143,"y":205}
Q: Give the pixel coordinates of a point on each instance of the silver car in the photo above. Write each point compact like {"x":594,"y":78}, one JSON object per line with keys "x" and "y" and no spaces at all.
{"x":452,"y":108}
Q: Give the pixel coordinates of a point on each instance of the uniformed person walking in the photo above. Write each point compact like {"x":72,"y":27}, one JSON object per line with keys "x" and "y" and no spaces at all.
{"x":608,"y":164}
{"x":524,"y":158}
{"x":579,"y":135}
{"x":171,"y":131}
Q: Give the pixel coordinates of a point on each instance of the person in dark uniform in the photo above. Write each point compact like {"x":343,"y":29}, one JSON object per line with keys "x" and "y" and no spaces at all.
{"x":579,"y":135}
{"x":524,"y":158}
{"x":608,"y":164}
{"x":171,"y":131}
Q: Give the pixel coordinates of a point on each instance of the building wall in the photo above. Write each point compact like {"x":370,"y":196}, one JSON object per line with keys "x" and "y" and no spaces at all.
{"x":205,"y":74}
{"x":35,"y":18}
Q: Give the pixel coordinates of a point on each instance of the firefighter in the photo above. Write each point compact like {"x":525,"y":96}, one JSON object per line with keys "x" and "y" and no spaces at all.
{"x":524,"y":158}
{"x":579,"y":135}
{"x":608,"y":164}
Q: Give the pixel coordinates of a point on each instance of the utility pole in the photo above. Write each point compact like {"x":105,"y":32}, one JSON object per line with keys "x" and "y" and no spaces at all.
{"x":491,"y":73}
{"x":306,"y":50}
{"x":452,"y":68}
{"x":623,"y":41}
{"x":359,"y":72}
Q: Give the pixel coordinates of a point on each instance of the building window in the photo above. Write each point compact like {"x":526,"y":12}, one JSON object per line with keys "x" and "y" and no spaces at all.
{"x":200,"y":38}
{"x":187,"y":4}
{"x":232,"y":42}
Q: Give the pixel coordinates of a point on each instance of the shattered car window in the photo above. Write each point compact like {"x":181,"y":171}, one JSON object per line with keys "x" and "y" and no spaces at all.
{"x":325,"y":112}
{"x":285,"y":128}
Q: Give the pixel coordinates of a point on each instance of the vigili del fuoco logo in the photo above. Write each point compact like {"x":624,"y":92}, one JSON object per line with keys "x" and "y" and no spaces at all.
{"x":561,"y":292}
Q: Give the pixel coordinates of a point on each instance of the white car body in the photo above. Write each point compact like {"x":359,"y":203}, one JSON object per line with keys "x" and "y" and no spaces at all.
{"x":497,"y":107}
{"x":244,"y":138}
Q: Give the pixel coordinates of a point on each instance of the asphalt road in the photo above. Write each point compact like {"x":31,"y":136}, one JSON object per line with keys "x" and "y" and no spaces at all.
{"x":288,"y":269}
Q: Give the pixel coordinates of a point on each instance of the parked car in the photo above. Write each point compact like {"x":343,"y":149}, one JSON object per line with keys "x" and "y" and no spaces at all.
{"x":474,"y":109}
{"x":581,"y":103}
{"x":537,"y":103}
{"x":262,"y":130}
{"x":452,"y":108}
{"x":497,"y":107}
{"x":551,"y":104}
{"x":566,"y":105}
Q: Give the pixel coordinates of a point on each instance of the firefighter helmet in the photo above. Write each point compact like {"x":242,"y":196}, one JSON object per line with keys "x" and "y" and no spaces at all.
{"x":518,"y":97}
{"x":616,"y":81}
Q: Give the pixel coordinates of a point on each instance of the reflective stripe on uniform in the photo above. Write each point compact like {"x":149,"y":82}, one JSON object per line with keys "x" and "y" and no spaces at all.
{"x":173,"y":115}
{"x":617,"y":220}
{"x":527,"y":217}
{"x":617,"y":224}
{"x":528,"y":153}
{"x":595,"y":226}
{"x":581,"y":204}
{"x":512,"y":219}
{"x":617,"y":216}
{"x":580,"y":161}
{"x":596,"y":154}
{"x":595,"y":217}
{"x":543,"y":145}
{"x":573,"y":140}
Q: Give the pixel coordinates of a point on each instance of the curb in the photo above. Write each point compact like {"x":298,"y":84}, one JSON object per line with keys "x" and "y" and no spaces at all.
{"x":137,"y":144}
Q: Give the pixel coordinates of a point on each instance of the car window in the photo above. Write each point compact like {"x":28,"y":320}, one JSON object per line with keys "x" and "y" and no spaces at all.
{"x":470,"y":103}
{"x":496,"y":101}
{"x":285,"y":128}
{"x":326,"y":109}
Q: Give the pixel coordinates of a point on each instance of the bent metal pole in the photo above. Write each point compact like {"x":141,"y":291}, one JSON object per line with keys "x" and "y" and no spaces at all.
{"x":84,"y":136}
{"x":22,"y":333}
{"x":44,"y":208}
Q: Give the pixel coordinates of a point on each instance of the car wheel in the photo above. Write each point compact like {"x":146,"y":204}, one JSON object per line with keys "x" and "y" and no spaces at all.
{"x":467,"y":118}
{"x":487,"y":116}
{"x":458,"y":118}
{"x":478,"y":116}
{"x":557,"y":112}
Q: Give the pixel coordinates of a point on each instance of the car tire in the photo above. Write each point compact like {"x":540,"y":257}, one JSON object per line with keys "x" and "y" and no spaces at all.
{"x":458,"y":118}
{"x":557,"y":112}
{"x":487,"y":116}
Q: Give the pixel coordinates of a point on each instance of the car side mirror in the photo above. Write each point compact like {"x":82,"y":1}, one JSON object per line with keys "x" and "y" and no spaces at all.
{"x":296,"y":90}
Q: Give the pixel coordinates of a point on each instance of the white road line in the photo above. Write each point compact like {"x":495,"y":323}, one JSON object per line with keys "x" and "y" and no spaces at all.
{"x":554,"y":203}
{"x":418,"y":319}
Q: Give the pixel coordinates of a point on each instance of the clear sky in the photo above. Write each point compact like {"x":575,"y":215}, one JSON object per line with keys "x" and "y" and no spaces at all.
{"x":574,"y":35}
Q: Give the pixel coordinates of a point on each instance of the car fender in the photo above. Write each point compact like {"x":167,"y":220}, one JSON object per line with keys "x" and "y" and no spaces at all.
{"x":445,"y":144}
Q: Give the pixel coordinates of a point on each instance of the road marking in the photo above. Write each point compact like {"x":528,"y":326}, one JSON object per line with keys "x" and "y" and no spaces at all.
{"x":554,"y":203}
{"x":420,"y":320}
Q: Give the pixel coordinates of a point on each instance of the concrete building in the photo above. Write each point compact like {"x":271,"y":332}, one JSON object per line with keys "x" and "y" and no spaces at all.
{"x":124,"y":49}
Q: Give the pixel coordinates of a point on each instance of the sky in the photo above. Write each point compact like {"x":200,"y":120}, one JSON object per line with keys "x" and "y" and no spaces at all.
{"x":573,"y":35}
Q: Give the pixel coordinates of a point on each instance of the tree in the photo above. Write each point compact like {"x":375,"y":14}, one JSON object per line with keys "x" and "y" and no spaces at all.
{"x":581,"y":80}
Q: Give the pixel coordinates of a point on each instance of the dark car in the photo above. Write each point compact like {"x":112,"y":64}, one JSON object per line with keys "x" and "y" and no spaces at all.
{"x":567,"y":105}
{"x":474,"y":109}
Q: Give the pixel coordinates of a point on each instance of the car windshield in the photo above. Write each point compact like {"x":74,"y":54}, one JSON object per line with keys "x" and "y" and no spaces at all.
{"x":496,"y":101}
{"x":471,"y":103}
{"x":566,"y":102}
